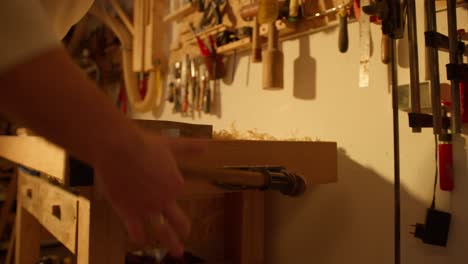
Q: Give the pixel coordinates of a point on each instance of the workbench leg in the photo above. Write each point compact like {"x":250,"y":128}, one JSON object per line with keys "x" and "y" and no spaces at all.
{"x":101,"y":238}
{"x":118,"y":236}
{"x":245,"y":227}
{"x":83,"y":232}
{"x":28,"y":243}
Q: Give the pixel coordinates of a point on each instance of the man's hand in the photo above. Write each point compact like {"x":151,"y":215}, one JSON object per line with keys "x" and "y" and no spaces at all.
{"x":141,"y":181}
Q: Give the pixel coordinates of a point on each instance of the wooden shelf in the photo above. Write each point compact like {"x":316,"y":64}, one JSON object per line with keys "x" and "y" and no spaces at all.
{"x":236,"y":46}
{"x":180,"y":13}
{"x":192,"y":40}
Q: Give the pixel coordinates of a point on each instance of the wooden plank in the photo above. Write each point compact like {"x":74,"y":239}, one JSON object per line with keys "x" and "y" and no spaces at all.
{"x":28,"y":193}
{"x":59,"y":210}
{"x":316,"y":162}
{"x":237,"y":46}
{"x":176,"y":129}
{"x":54,"y":208}
{"x":27,"y":246}
{"x":36,"y":153}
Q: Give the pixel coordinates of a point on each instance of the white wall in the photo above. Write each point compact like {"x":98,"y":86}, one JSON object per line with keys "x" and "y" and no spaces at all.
{"x":350,"y":221}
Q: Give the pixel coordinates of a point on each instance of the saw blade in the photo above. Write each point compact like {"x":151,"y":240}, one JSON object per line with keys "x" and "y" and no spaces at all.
{"x":364,"y":46}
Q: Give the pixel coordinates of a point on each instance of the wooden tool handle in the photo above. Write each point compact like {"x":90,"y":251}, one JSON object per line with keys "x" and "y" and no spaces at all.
{"x":256,"y":46}
{"x":385,"y":56}
{"x":268,"y":11}
{"x":293,"y":9}
{"x":272,"y":61}
{"x":343,"y":41}
{"x":248,"y":12}
{"x":272,"y":36}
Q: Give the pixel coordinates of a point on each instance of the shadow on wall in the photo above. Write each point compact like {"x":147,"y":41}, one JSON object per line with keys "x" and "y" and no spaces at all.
{"x":305,"y":72}
{"x":347,"y":222}
{"x":459,"y":227}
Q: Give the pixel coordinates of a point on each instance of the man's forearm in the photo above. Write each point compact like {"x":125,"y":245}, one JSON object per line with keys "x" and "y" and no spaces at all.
{"x":52,"y":96}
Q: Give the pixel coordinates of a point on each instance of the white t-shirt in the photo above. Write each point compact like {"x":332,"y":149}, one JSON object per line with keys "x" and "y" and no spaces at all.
{"x":31,"y":27}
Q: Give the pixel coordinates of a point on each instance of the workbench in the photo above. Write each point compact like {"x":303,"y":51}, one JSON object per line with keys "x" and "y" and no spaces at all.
{"x":228,"y":227}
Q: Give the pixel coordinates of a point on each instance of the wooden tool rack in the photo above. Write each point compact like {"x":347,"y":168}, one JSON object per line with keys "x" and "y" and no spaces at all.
{"x":228,"y":227}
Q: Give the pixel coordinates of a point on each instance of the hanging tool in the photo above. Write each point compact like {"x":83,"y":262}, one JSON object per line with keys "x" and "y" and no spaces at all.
{"x":212,"y":14}
{"x":273,"y":61}
{"x":178,"y":86}
{"x":248,"y":12}
{"x":211,"y":57}
{"x":208,"y":93}
{"x":343,"y":40}
{"x":446,"y":155}
{"x":293,"y":11}
{"x":268,"y":11}
{"x":364,"y":44}
{"x":201,"y":96}
{"x":272,"y":57}
{"x":184,"y":91}
{"x":385,"y":49}
{"x":463,"y":83}
{"x":256,"y":44}
{"x":193,"y":85}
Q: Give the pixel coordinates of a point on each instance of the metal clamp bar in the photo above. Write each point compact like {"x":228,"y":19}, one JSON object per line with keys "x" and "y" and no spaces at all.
{"x":453,"y":44}
{"x":434,"y":68}
{"x":414,"y":61}
{"x":275,"y":178}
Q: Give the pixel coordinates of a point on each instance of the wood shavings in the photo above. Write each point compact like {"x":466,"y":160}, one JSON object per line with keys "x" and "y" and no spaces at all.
{"x":253,"y":134}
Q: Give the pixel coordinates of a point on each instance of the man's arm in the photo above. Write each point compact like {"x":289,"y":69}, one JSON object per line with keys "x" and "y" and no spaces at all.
{"x":136,"y":171}
{"x":54,"y":98}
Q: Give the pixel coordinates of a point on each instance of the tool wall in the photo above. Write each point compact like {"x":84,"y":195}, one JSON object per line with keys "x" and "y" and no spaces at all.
{"x":208,"y":37}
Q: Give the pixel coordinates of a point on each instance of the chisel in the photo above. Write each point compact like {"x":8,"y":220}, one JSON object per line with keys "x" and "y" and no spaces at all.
{"x":343,"y":40}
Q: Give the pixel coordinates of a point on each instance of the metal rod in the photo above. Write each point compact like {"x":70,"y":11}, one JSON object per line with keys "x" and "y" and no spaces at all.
{"x":414,"y":61}
{"x":248,"y":178}
{"x":434,"y":74}
{"x":453,"y":44}
{"x":396,"y":151}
